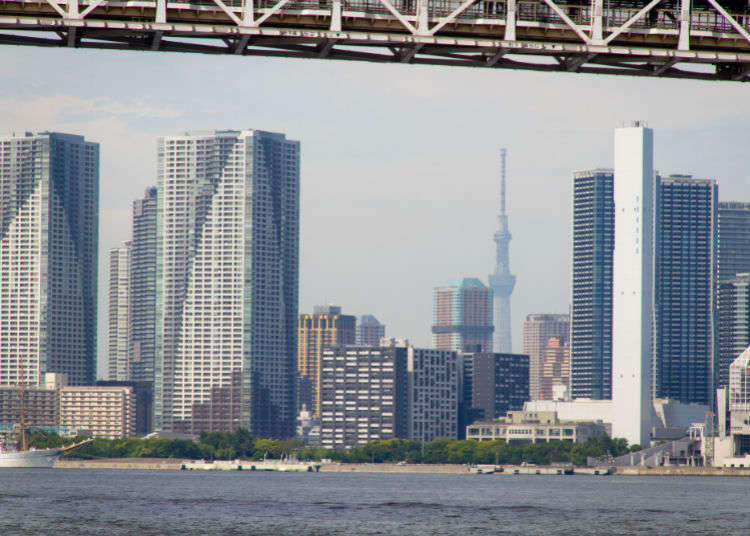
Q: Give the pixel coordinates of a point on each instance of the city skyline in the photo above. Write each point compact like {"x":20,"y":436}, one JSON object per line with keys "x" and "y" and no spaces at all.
{"x":416,"y":186}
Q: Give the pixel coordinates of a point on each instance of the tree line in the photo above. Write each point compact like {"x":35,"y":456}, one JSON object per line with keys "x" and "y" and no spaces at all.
{"x":241,"y":444}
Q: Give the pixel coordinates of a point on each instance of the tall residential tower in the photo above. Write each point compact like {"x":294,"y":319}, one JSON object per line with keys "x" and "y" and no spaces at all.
{"x":227,"y":283}
{"x":501,"y":281}
{"x":591,"y":318}
{"x":462,"y":316}
{"x":49,"y":222}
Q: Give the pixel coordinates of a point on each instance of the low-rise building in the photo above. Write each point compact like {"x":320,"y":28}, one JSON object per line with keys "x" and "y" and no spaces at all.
{"x":521,"y":427}
{"x":108,"y":412}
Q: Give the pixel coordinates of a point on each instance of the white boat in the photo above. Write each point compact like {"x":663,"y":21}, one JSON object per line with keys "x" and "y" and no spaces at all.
{"x":30,"y":458}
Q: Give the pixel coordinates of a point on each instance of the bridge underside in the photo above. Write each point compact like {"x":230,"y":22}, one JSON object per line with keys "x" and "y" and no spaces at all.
{"x":657,"y":38}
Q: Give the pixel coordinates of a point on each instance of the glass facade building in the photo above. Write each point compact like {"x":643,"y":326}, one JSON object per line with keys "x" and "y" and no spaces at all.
{"x":49,"y":242}
{"x":591,"y":312}
{"x":734,"y":239}
{"x":118,"y":362}
{"x":734,"y":323}
{"x":227,"y":283}
{"x":462,"y":316}
{"x":685,"y":324}
{"x":143,"y":288}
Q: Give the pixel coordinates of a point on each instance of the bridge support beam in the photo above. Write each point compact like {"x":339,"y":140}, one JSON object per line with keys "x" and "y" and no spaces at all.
{"x":336,"y":16}
{"x":510,"y":20}
{"x":684,"y":39}
{"x":597,"y":22}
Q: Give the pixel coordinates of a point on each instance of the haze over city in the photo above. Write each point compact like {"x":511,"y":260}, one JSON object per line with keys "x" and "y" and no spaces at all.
{"x":400,"y":165}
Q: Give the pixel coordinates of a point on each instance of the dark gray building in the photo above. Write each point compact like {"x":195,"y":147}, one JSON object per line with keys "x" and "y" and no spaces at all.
{"x":364,"y":395}
{"x":143,"y":288}
{"x":434,"y":393}
{"x":591,"y":313}
{"x":734,"y":323}
{"x":369,"y":331}
{"x":685,"y":352}
{"x":499,"y":383}
{"x":734,"y":239}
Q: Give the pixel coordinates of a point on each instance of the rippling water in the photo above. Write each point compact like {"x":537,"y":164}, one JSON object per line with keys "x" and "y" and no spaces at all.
{"x":88,"y":502}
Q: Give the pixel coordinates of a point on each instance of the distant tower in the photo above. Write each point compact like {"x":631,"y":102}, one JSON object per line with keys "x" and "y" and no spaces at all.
{"x":502,"y":282}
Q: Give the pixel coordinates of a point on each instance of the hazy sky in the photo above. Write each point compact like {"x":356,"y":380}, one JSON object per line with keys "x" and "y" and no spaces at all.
{"x":400,"y":163}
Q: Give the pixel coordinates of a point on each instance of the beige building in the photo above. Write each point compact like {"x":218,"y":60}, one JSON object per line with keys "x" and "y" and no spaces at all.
{"x":326,"y":327}
{"x":555,"y":367}
{"x":99,"y":411}
{"x":537,"y":331}
{"x":520,"y":427}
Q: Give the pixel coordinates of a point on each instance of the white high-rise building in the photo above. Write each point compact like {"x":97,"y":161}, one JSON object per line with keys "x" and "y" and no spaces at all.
{"x":633,"y":282}
{"x":118,"y":362}
{"x":49,"y":218}
{"x":227,"y":253}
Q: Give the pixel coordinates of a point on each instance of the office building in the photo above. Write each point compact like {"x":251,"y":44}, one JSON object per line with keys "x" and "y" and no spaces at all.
{"x":591,"y":312}
{"x":502,"y":282}
{"x":369,"y":331}
{"x":499,"y":384}
{"x":632,"y":284}
{"x":107,"y":412}
{"x":49,"y":215}
{"x":118,"y":362}
{"x":434,"y":393}
{"x":325,"y":327}
{"x":685,"y":286}
{"x":555,"y":369}
{"x":734,"y":239}
{"x":734,"y":323}
{"x":142,"y":296}
{"x":462,"y":316}
{"x":227,"y":283}
{"x":364,"y":395}
{"x":537,"y":331}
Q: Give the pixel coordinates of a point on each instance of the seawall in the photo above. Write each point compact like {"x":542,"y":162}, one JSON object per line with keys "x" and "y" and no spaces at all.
{"x":638,"y":470}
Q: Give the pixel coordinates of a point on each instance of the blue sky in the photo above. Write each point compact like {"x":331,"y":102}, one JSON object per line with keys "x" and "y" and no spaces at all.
{"x":400,"y":163}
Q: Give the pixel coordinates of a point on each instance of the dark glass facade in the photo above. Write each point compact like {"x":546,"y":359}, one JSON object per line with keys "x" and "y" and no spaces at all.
{"x":499,"y":383}
{"x":591,"y":314}
{"x":734,"y":323}
{"x":685,"y":288}
{"x":734,"y":239}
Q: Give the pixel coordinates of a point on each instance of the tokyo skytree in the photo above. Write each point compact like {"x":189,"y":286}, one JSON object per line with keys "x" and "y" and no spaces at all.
{"x":502,"y":281}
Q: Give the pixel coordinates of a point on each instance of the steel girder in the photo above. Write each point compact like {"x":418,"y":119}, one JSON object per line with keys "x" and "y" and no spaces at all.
{"x":545,"y":35}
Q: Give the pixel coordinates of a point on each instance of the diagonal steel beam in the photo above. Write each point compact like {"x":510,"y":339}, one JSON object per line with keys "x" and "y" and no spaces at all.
{"x":576,"y":63}
{"x":228,"y":11}
{"x":664,"y":66}
{"x":241,"y":44}
{"x":648,"y":7}
{"x":92,"y":6}
{"x":57,"y":8}
{"x":492,"y":60}
{"x":730,"y":20}
{"x":399,"y":16}
{"x":450,"y":18}
{"x":573,"y":26}
{"x":275,"y":9}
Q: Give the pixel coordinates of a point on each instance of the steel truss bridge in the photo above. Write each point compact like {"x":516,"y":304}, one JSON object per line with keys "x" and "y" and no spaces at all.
{"x":703,"y":39}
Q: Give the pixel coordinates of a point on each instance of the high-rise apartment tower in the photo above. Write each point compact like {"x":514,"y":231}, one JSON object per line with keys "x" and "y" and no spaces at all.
{"x":369,"y":331}
{"x":538,"y":329}
{"x":49,"y":221}
{"x":462,"y":316}
{"x":734,"y":240}
{"x":502,"y":281}
{"x":591,"y":313}
{"x":324,"y":328}
{"x":685,"y":288}
{"x":118,"y":362}
{"x":734,"y":323}
{"x":227,"y":282}
{"x":143,"y":288}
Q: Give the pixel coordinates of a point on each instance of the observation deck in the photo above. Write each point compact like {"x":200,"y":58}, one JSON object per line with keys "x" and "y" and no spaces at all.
{"x":704,"y":39}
